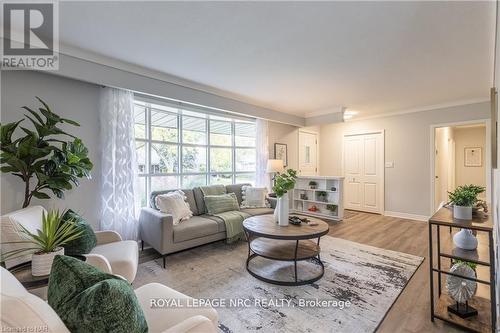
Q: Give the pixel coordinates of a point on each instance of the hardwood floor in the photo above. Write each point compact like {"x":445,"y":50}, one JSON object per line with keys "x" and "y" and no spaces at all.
{"x":411,"y":311}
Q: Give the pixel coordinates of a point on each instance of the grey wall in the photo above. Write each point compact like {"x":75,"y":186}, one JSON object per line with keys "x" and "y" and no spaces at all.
{"x":407,"y":143}
{"x":71,"y":99}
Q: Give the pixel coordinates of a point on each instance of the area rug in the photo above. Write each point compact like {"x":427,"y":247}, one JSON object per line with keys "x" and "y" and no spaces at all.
{"x":358,"y":288}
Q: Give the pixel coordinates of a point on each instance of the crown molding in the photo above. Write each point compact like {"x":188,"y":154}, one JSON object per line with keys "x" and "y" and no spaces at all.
{"x":423,"y":109}
{"x":324,"y":112}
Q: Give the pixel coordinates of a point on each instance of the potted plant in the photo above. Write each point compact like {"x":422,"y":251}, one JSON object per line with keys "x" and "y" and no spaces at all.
{"x":44,"y":154}
{"x":463,"y":199}
{"x":313,"y":185}
{"x":284,"y":183}
{"x":322,"y":195}
{"x":332,"y":208}
{"x":46,"y":243}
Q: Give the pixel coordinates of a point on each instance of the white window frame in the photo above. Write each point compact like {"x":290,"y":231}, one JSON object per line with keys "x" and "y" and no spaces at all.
{"x":207,"y":116}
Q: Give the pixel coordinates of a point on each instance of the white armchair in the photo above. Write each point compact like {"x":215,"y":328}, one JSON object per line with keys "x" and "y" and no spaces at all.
{"x":111,"y":254}
{"x":21,"y":310}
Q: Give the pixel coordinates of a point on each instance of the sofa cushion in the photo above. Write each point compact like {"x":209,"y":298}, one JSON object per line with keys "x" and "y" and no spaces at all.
{"x":199,"y":196}
{"x":83,"y":244}
{"x":258,"y":211}
{"x":21,"y":309}
{"x":221,"y":203}
{"x":213,"y":190}
{"x":88,"y":300}
{"x":236,"y":189}
{"x":254,"y":197}
{"x":220,"y":222}
{"x":200,"y":202}
{"x":174,"y":203}
{"x":123,"y":257}
{"x":195,"y":227}
{"x":190,"y":199}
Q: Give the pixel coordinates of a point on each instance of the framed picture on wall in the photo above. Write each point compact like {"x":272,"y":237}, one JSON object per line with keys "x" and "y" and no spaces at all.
{"x":281,"y":153}
{"x":473,"y":156}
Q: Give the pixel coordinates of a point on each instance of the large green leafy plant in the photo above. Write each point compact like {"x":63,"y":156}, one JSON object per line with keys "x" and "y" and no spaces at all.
{"x":465,"y":195}
{"x":43,"y":154}
{"x":284,"y":182}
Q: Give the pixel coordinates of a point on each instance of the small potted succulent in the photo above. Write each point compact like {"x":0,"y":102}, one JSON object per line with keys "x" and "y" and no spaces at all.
{"x":313,"y":185}
{"x":463,"y":199}
{"x":46,"y":243}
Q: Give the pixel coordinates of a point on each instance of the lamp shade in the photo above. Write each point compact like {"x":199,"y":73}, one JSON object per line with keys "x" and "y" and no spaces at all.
{"x":274,"y":166}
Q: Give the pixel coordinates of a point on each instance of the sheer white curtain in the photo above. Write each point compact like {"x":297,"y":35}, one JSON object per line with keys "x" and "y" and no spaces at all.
{"x":119,"y":165}
{"x":262,"y":148}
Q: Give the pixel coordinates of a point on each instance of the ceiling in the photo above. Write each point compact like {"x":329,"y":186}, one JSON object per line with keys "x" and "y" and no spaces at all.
{"x":301,"y":58}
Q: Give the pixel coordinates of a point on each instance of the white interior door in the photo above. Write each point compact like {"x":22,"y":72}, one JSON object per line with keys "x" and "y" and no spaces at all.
{"x":364,"y":172}
{"x":308,"y":154}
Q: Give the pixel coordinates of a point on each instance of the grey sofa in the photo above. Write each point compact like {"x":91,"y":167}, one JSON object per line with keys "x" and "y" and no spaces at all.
{"x":157,"y":228}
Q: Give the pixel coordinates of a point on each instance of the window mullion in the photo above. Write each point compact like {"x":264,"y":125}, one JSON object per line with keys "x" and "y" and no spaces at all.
{"x":179,"y":149}
{"x":233,"y":144}
{"x":209,"y":166}
{"x":148,"y":152}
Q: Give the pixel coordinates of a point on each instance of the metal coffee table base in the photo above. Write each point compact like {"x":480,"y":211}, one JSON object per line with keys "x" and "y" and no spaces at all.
{"x":315,"y":259}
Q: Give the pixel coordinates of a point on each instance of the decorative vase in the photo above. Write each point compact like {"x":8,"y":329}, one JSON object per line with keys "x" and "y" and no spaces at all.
{"x":276,"y":210}
{"x":462,"y":212}
{"x":465,"y":240}
{"x":41,"y":263}
{"x":282,"y":208}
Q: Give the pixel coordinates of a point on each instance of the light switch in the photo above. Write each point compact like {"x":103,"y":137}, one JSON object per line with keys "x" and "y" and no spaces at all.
{"x":389,"y":164}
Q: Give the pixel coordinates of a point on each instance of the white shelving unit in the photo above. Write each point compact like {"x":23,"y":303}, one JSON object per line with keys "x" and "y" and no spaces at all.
{"x":329,"y":191}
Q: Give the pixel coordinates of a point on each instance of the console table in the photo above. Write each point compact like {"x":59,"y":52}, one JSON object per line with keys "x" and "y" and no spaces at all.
{"x":485,"y":321}
{"x":284,"y":243}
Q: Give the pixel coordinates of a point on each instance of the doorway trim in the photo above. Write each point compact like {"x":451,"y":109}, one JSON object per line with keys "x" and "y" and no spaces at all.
{"x":382,"y":166}
{"x":487,"y":159}
{"x":301,"y":130}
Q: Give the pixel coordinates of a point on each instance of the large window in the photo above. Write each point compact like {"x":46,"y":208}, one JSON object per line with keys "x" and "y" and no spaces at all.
{"x":179,"y":148}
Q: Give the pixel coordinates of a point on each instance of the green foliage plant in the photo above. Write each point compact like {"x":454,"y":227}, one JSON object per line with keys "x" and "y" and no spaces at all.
{"x":43,"y":154}
{"x":467,"y":263}
{"x":465,"y":195}
{"x":331,"y":207}
{"x":322,"y":195}
{"x":284,"y":182}
{"x":55,"y":233}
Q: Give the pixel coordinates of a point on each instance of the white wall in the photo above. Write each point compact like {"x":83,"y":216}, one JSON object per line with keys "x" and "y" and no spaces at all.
{"x":444,"y":164}
{"x":289,"y":135}
{"x":407,"y":144}
{"x":71,"y":99}
{"x":469,"y":137}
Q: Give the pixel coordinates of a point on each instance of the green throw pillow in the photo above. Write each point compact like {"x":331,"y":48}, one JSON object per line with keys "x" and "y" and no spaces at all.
{"x":83,"y":244}
{"x":89,"y":300}
{"x":221,"y":203}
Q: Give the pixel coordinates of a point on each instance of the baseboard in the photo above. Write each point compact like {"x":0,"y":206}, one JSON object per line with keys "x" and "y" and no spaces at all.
{"x":407,"y":216}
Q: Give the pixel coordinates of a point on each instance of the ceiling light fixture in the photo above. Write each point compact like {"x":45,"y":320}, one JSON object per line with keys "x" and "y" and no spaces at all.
{"x":348,"y":114}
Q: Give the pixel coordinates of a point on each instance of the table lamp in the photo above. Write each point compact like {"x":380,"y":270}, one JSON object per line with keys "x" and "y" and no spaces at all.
{"x":275,"y":167}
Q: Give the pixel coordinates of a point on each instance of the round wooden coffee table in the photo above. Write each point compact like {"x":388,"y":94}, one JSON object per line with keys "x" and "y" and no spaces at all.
{"x":291,"y":243}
